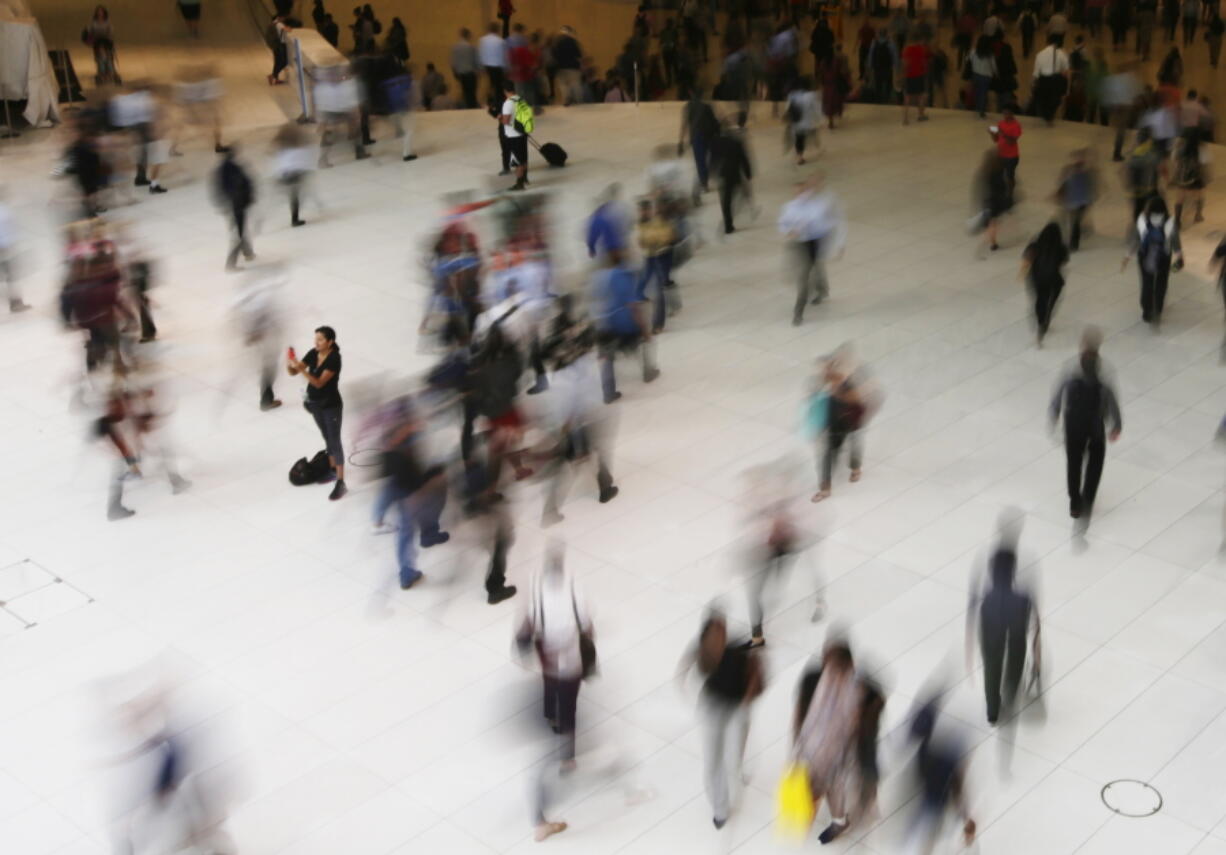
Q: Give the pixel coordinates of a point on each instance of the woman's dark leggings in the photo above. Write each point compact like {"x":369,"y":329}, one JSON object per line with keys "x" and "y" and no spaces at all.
{"x":329,"y":423}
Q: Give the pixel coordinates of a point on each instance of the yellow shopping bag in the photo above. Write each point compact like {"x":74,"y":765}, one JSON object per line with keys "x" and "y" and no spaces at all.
{"x":795,"y":803}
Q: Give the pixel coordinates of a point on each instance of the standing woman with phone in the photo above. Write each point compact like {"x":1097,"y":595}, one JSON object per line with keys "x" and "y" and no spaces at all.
{"x":322,"y":369}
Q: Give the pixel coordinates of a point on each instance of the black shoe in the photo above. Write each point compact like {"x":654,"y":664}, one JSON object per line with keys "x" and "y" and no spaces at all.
{"x":650,"y":374}
{"x":519,"y":185}
{"x":361,"y":155}
{"x":539,"y":386}
{"x":269,"y":405}
{"x":417,"y":577}
{"x":119,"y":512}
{"x":1074,"y":509}
{"x":338,"y":491}
{"x":368,"y":141}
{"x":832,"y":831}
{"x":409,"y":157}
{"x":611,"y":398}
{"x":141,"y":181}
{"x":221,"y":149}
{"x":797,"y":320}
{"x":609,"y":495}
{"x":434,"y":539}
{"x":296,"y":223}
{"x":754,"y":644}
{"x":157,"y":188}
{"x":719,"y":823}
{"x":503,"y":593}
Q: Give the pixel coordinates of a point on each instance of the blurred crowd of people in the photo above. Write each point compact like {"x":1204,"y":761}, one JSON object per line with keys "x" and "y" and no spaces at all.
{"x":524,"y":371}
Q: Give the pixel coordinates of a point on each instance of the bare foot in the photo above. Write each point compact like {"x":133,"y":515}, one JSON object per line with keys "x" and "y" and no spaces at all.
{"x":548,"y":829}
{"x":855,"y":475}
{"x":820,"y":495}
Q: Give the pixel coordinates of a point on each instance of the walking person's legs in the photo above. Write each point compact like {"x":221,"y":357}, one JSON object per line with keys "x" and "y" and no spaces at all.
{"x":1096,"y":449}
{"x":993,"y":671}
{"x":716,"y":721}
{"x":1147,"y":295}
{"x":806,"y":259}
{"x":1074,"y":450}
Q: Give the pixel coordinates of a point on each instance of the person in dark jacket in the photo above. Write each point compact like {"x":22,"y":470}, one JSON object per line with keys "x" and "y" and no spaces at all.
{"x":235,"y":190}
{"x":1000,"y":616}
{"x":1088,"y":402}
{"x":1042,"y":264}
{"x":84,"y":163}
{"x":731,"y":163}
{"x":397,"y":41}
{"x":821,"y":44}
{"x":331,"y":31}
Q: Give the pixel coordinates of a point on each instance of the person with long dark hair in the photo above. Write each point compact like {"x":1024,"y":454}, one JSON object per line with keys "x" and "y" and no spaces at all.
{"x":733,"y":677}
{"x":322,"y":369}
{"x":1155,"y":242}
{"x":98,"y":36}
{"x":991,"y":196}
{"x":1042,"y":264}
{"x":982,"y":66}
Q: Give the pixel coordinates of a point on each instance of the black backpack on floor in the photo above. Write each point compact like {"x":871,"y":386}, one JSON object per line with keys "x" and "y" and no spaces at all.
{"x":311,"y":471}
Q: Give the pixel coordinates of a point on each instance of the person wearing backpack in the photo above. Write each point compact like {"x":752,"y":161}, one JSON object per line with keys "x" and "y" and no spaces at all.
{"x":518,"y":122}
{"x":1042,"y":265}
{"x":1155,"y":243}
{"x":1087,"y":402}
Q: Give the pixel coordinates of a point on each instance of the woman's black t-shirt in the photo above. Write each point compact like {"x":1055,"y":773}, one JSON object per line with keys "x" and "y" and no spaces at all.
{"x":729,"y":682}
{"x":327,"y":396}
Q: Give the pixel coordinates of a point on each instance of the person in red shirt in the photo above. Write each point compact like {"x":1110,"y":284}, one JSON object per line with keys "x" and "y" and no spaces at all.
{"x":1006,"y":133}
{"x":915,"y":59}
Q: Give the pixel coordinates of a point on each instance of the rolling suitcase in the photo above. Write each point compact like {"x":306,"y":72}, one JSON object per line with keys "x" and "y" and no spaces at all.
{"x":553,"y":153}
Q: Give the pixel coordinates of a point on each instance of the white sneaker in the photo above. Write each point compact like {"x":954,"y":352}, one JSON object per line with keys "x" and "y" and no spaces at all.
{"x":382,"y":528}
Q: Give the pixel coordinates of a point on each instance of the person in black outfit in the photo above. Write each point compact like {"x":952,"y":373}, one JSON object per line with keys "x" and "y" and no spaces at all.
{"x":699,"y":123}
{"x":84,"y":163}
{"x":733,"y":676}
{"x":1002,"y":616}
{"x":331,"y":31}
{"x":235,"y":190}
{"x":731,"y":164}
{"x":821,"y":45}
{"x":1088,"y":402}
{"x":397,"y":41}
{"x":940,"y":767}
{"x":1043,"y":263}
{"x":322,"y":369}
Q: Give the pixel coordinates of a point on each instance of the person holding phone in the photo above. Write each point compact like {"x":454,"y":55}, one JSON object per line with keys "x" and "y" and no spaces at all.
{"x":322,"y":369}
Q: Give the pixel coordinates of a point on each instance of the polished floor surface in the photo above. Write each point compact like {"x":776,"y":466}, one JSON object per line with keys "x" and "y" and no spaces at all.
{"x":369,"y":721}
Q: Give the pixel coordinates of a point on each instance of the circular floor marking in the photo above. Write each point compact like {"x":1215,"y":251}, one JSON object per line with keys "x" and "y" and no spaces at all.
{"x":1132,"y":798}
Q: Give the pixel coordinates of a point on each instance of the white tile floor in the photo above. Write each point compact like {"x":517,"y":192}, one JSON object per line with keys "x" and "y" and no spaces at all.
{"x":373,"y":722}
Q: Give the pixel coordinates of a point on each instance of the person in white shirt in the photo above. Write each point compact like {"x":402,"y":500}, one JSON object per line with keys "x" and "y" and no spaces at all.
{"x":804,"y":113}
{"x":259,"y":311}
{"x":559,"y":626}
{"x":492,"y":51}
{"x":337,"y":98}
{"x":294,"y":160}
{"x":814,"y":222}
{"x":1051,"y":69}
{"x":8,"y":245}
{"x":517,"y":140}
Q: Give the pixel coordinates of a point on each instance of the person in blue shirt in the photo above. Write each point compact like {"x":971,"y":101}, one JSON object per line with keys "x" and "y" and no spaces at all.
{"x":608,"y":229}
{"x":621,"y":322}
